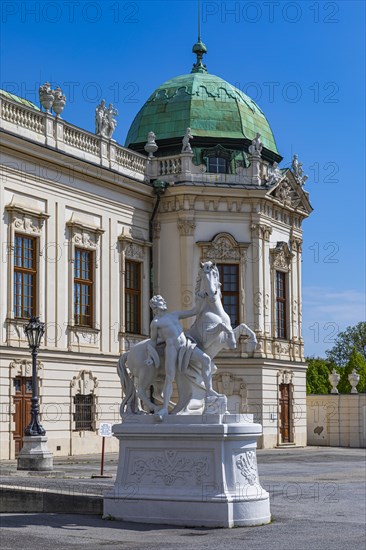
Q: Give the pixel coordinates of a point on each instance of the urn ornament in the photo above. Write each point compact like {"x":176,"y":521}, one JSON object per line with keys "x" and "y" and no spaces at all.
{"x":46,"y":96}
{"x":59,"y":101}
{"x":151,"y":146}
{"x":334,"y":379}
{"x":354,"y":379}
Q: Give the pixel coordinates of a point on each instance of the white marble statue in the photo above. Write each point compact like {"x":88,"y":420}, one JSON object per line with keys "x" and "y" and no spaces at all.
{"x":179,"y":350}
{"x":298,"y":171}
{"x":186,"y":139}
{"x":255,"y":149}
{"x":274,"y":174}
{"x":99,"y":117}
{"x":105,"y":123}
{"x":187,"y":357}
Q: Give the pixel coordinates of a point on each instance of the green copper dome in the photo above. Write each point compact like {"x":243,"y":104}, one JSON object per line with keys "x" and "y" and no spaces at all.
{"x":210,"y":106}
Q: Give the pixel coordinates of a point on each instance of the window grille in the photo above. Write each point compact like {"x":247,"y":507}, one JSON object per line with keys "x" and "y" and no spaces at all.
{"x":84,"y":412}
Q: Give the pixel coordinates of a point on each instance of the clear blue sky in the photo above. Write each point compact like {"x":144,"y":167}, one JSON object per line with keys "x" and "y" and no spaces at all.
{"x":302,"y":62}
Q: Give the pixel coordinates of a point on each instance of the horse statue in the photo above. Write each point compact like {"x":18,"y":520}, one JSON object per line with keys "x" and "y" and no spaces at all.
{"x":211,"y":331}
{"x":212,"y":328}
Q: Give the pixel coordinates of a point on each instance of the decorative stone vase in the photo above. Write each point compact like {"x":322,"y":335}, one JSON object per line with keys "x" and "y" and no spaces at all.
{"x":354,"y":379}
{"x":151,"y":146}
{"x":59,"y":101}
{"x":334,"y":379}
{"x":46,"y":96}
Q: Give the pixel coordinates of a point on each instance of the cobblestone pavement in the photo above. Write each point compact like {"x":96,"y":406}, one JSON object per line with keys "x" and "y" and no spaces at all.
{"x":317,"y":502}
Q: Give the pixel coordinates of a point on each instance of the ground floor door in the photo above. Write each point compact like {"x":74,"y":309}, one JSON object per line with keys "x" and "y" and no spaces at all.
{"x":285,"y":414}
{"x":22,"y":409}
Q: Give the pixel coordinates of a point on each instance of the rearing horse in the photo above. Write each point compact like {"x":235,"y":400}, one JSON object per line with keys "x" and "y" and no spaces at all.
{"x":212,"y":328}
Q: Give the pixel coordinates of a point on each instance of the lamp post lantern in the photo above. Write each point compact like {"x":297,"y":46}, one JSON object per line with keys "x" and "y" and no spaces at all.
{"x":34,"y":332}
{"x":34,"y":454}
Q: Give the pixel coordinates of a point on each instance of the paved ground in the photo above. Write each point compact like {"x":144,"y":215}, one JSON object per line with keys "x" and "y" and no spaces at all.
{"x":317,"y":502}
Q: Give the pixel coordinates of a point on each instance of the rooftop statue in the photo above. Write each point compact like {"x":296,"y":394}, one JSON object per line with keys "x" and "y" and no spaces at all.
{"x":255,"y":149}
{"x":298,"y":171}
{"x":105,"y":123}
{"x":171,"y":353}
{"x":274,"y":174}
{"x":186,"y":145}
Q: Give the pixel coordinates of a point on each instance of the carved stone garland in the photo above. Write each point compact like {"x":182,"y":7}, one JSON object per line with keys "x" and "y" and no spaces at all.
{"x":247,"y":466}
{"x":134,"y":251}
{"x":169,"y":467}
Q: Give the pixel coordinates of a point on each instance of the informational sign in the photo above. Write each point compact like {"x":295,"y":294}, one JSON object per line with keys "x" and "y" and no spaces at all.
{"x":105,"y":429}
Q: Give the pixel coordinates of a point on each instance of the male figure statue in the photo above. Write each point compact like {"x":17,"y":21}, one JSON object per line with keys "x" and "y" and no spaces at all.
{"x":166,"y":327}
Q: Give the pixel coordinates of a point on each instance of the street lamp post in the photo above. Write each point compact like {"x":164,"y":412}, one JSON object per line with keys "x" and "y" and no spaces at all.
{"x":34,"y":332}
{"x":35,"y":454}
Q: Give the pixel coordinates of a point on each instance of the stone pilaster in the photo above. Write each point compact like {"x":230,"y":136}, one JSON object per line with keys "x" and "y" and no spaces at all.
{"x":186,"y":228}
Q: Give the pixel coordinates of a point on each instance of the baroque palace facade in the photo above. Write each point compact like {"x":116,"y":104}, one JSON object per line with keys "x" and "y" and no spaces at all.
{"x":91,"y":228}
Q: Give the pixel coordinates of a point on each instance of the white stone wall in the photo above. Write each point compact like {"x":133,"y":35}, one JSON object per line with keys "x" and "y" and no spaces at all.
{"x":337,"y":420}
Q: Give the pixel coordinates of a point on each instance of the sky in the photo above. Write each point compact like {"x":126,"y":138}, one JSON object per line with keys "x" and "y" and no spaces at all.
{"x":303,"y":63}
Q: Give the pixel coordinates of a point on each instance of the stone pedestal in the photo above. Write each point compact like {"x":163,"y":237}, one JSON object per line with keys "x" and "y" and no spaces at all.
{"x":35,"y":455}
{"x":194,"y":470}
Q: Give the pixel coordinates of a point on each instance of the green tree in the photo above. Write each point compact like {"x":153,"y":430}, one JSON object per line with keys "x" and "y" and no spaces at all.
{"x":317,"y":376}
{"x":352,"y":337}
{"x":357,"y":362}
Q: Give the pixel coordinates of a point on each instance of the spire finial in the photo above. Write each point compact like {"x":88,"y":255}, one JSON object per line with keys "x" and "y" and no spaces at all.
{"x":199,"y":20}
{"x":199,"y":48}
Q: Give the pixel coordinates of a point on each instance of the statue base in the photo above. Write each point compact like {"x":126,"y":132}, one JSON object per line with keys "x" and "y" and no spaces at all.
{"x":191,"y":470}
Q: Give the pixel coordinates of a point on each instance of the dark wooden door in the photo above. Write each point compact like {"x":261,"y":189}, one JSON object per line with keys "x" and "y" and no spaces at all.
{"x":285,"y":414}
{"x":22,"y":409}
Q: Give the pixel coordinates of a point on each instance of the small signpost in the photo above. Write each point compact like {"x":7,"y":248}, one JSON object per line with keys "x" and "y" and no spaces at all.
{"x":105,"y":430}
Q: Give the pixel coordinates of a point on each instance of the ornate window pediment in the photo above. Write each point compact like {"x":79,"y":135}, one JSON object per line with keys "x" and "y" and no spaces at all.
{"x":281,"y":256}
{"x":26,"y":215}
{"x":84,"y":382}
{"x":133,"y":244}
{"x":83,"y":232}
{"x":223,"y":247}
{"x":285,"y":376}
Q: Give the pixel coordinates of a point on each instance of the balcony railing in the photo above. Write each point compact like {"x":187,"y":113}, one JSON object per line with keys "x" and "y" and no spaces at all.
{"x":58,"y":134}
